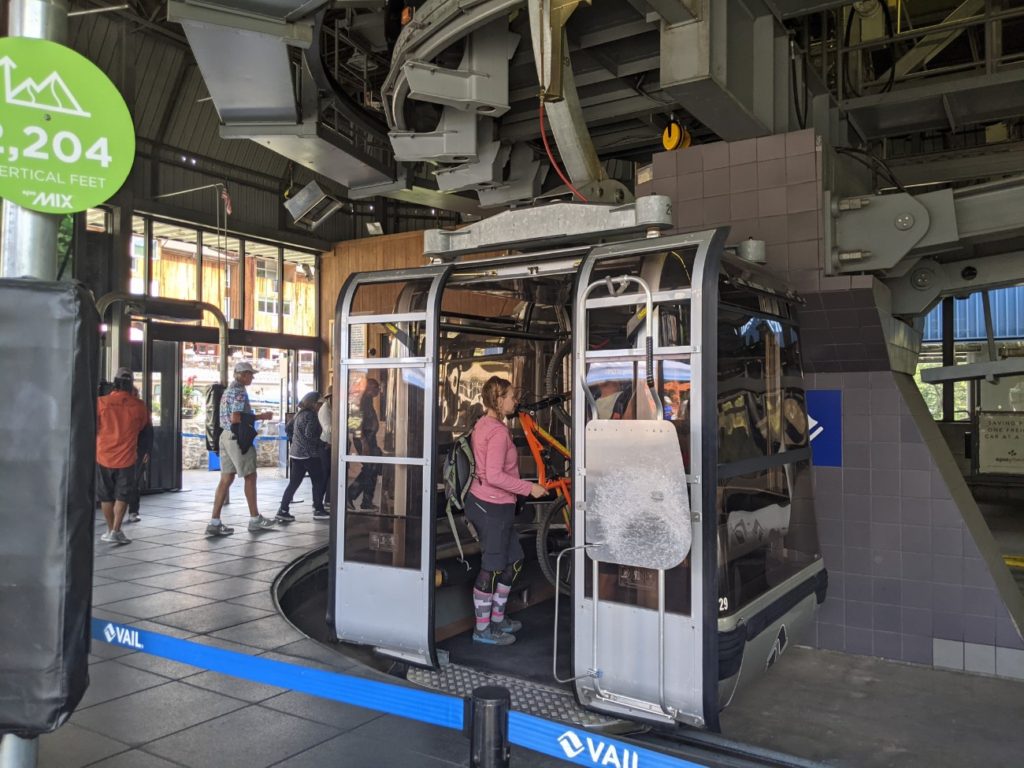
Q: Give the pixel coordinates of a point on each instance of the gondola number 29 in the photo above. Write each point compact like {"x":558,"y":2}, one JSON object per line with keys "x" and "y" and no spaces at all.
{"x":723,"y":604}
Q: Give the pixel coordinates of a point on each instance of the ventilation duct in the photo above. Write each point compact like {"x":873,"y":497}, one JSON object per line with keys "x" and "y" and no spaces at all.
{"x":311,"y":206}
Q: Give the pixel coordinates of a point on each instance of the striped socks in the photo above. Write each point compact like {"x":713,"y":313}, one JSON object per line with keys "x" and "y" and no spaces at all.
{"x":482,"y":607}
{"x":500,"y":599}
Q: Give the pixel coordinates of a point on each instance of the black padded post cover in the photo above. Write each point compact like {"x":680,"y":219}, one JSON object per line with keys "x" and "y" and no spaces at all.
{"x":213,"y":428}
{"x":49,"y":336}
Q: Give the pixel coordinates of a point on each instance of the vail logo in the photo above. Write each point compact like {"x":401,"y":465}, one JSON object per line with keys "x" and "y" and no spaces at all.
{"x":814,"y":427}
{"x":598,"y":752}
{"x":52,"y":199}
{"x":123,"y":636}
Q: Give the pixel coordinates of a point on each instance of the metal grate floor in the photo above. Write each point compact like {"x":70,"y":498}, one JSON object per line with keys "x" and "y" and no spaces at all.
{"x":545,"y":701}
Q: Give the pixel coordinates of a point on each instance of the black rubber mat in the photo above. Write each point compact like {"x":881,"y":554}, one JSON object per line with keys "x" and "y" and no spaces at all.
{"x":530,"y":656}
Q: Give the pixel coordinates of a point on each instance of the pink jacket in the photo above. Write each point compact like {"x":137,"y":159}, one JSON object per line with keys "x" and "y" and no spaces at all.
{"x":497,"y":464}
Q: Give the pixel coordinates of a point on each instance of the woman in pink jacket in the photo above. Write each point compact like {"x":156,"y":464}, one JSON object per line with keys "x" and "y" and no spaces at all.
{"x":491,"y":507}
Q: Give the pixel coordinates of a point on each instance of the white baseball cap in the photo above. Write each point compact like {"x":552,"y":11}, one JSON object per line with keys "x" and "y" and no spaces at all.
{"x":244,"y":367}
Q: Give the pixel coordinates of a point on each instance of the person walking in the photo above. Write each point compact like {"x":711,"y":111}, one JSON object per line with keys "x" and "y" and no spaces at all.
{"x":120,"y":419}
{"x":237,"y":451}
{"x":491,"y":507}
{"x":324,"y":416}
{"x":365,"y":484}
{"x":304,"y":458}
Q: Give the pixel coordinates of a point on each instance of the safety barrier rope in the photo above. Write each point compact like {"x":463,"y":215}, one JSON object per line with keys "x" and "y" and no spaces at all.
{"x":577,"y":747}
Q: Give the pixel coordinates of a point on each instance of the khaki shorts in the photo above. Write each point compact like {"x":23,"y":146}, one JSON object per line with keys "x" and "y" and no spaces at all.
{"x":232,"y":460}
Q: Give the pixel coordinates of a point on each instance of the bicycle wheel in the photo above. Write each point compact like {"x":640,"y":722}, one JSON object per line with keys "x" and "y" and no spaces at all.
{"x":552,"y":537}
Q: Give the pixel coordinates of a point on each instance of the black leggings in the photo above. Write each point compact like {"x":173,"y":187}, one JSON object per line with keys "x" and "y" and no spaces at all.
{"x":299,"y":468}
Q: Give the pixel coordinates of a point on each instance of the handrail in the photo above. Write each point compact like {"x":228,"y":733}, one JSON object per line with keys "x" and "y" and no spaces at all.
{"x":137,"y":305}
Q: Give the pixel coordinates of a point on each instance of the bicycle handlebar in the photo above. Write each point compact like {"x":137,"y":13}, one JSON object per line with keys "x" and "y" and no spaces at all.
{"x":543,"y":403}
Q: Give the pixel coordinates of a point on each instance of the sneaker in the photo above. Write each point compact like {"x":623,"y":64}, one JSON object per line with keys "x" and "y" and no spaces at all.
{"x":260,"y":523}
{"x":492,"y":636}
{"x":108,"y":537}
{"x":284,"y":516}
{"x":321,"y":514}
{"x":364,"y":507}
{"x":508,"y":625}
{"x":133,"y":517}
{"x":118,"y":537}
{"x":219,"y":530}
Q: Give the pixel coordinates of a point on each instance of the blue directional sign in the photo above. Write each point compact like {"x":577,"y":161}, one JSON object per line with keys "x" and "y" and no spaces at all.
{"x":825,"y":426}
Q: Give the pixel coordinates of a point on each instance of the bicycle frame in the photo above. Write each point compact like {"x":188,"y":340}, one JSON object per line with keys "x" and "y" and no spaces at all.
{"x":561,"y":484}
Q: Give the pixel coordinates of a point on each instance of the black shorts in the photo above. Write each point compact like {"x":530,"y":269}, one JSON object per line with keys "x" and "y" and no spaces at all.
{"x":499,"y":543}
{"x":114,"y":484}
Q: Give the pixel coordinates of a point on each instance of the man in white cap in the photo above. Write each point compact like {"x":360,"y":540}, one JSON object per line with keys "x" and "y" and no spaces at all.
{"x":237,"y":417}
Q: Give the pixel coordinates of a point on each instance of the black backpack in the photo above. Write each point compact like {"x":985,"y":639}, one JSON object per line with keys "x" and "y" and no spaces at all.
{"x":458,"y":473}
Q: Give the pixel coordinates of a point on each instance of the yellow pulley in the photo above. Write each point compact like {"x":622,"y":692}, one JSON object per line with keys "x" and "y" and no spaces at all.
{"x":675,"y":136}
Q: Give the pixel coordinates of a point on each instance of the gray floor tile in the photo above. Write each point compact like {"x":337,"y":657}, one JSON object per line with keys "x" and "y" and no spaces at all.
{"x":158,"y":604}
{"x":101,"y":612}
{"x":148,"y":551}
{"x":111,"y":593}
{"x":211,"y":617}
{"x":99,"y":581}
{"x":314,"y":651}
{"x":344,"y":717}
{"x":432,"y":740}
{"x":71,"y":746}
{"x":250,"y":738}
{"x":111,"y":680}
{"x":267,"y":576}
{"x":242,"y":566}
{"x":162,"y":629}
{"x":193,"y":559}
{"x":105,"y":651}
{"x":226,"y":589}
{"x":227,"y":645}
{"x":134,"y":758}
{"x":288,"y":554}
{"x":352,"y":750}
{"x":176,"y":537}
{"x":173,"y":670}
{"x":179,"y":579}
{"x":260,"y":599}
{"x":142,"y":717}
{"x":104,"y":562}
{"x":270,"y":633}
{"x":235,"y":687}
{"x":137,"y":570}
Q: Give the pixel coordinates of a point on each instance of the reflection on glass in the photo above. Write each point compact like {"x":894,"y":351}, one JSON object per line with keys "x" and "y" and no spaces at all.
{"x":221,"y":286}
{"x":767,"y":531}
{"x":137,"y":281}
{"x":388,"y":298}
{"x":299,"y":292}
{"x":385,"y":526}
{"x":263,"y":287}
{"x":175,"y":261}
{"x":401,"y":338}
{"x":385,"y":412}
{"x":155,"y":381}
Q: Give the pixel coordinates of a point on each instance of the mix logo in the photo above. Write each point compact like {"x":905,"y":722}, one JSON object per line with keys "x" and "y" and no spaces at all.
{"x":123,"y":636}
{"x":598,"y":751}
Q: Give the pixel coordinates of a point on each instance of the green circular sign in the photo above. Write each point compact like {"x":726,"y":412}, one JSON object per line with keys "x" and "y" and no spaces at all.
{"x":67,"y":142}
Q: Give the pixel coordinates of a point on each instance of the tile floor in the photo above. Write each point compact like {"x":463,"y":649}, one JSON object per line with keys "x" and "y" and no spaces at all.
{"x":141,"y":711}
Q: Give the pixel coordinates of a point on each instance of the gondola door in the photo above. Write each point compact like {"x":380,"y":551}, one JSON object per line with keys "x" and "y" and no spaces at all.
{"x":385,"y":389}
{"x":645,"y":631}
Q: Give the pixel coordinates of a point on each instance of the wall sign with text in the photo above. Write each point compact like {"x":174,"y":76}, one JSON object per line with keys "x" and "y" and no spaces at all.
{"x":1001,"y":442}
{"x":67,"y":141}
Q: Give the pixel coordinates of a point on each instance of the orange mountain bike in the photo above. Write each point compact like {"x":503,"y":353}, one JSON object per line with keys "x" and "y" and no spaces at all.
{"x":554,"y":531}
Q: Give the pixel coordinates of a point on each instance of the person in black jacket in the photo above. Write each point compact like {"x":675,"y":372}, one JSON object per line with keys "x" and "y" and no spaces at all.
{"x":141,"y":468}
{"x":304,"y":458}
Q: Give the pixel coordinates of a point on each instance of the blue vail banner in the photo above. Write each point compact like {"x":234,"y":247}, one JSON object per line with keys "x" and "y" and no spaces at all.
{"x":825,"y":426}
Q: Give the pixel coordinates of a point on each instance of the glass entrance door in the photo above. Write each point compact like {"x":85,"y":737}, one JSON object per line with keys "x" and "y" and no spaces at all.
{"x":385,"y":387}
{"x":642,"y":618}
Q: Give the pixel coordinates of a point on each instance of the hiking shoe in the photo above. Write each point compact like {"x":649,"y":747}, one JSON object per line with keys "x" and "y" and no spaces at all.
{"x":118,"y":537}
{"x":108,"y":537}
{"x":367,"y":507}
{"x":260,"y":523}
{"x":321,"y":514}
{"x":284,"y":516}
{"x":508,"y":625}
{"x":133,"y":517}
{"x":219,"y":530}
{"x":492,"y":636}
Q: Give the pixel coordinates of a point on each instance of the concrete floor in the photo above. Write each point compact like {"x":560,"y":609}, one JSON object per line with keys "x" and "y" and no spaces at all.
{"x":142,"y":711}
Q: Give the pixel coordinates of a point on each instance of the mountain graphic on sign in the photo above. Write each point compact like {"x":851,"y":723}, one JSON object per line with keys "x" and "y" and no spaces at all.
{"x":52,"y":94}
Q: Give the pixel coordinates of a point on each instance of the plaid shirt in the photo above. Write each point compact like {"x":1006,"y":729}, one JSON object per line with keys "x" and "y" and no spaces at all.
{"x":234,"y":400}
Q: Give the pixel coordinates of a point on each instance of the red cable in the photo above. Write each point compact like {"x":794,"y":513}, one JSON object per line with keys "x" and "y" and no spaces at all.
{"x":551,"y":156}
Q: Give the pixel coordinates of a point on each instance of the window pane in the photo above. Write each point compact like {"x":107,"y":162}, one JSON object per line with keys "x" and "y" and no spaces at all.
{"x":174,"y":261}
{"x":766,"y":530}
{"x":385,"y":412}
{"x":300,"y":293}
{"x":262,"y":287}
{"x":388,"y":298}
{"x":220,"y":276}
{"x":385,"y":528}
{"x":137,"y":282}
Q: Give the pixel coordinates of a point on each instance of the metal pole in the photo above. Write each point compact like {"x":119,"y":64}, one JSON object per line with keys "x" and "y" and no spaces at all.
{"x":488,"y":727}
{"x":16,"y":752}
{"x":948,"y":357}
{"x":28,"y":241}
